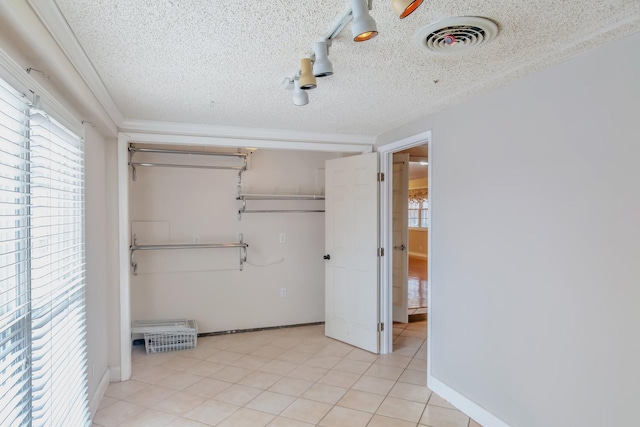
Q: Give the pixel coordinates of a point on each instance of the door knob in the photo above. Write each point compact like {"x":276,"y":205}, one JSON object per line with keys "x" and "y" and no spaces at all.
{"x":327,"y":256}
{"x":401,"y":247}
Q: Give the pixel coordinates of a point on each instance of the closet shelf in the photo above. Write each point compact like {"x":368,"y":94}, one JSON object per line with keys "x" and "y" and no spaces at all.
{"x":134,"y":165}
{"x":135,"y":247}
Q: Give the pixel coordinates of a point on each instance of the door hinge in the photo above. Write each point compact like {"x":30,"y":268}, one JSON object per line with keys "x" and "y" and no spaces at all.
{"x":380,"y":177}
{"x":380,"y":251}
{"x":380,"y":327}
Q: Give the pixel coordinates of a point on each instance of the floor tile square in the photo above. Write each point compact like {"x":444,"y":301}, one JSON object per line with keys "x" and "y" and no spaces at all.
{"x":231,"y":374}
{"x":436,"y":416}
{"x":309,"y":373}
{"x":245,"y":417}
{"x":345,"y":417}
{"x":207,"y":387}
{"x":291,"y":386}
{"x":237,"y":395}
{"x":401,"y":409}
{"x":261,"y":380}
{"x":352,"y":366}
{"x":340,"y":379}
{"x":211,"y":412}
{"x":117,"y":413}
{"x":373,"y":385}
{"x":278,"y":367}
{"x":150,"y":395}
{"x":361,"y":400}
{"x":411,"y":392}
{"x":326,"y":362}
{"x":180,"y":403}
{"x":179,"y":381}
{"x":204,"y":368}
{"x":384,"y":371}
{"x":410,"y":376}
{"x":150,"y":418}
{"x":273,"y":403}
{"x":288,"y":422}
{"x":307,"y":411}
{"x":325,"y":393}
{"x":251,"y":362}
{"x":380,"y":421}
{"x":125,"y":388}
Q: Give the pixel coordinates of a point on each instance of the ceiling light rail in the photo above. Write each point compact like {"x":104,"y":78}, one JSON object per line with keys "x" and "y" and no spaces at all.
{"x":317,"y":63}
{"x":133,"y":150}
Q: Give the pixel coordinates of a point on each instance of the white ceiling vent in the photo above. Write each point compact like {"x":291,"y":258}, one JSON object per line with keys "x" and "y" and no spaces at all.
{"x":457,"y":34}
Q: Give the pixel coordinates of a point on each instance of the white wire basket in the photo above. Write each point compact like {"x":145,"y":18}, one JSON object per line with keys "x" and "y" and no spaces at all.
{"x":167,"y":335}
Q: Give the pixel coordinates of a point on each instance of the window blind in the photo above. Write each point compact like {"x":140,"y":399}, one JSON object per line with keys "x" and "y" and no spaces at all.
{"x":15,"y":335}
{"x":46,"y":274}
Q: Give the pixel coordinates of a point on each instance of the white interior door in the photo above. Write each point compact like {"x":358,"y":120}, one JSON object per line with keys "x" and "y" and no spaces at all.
{"x":400,"y":237}
{"x":351,"y":243}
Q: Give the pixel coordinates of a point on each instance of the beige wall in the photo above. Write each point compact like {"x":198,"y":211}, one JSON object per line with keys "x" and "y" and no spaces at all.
{"x":535,"y":231}
{"x":418,"y":242}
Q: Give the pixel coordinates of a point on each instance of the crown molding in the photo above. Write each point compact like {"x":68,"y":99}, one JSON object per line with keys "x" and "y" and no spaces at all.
{"x":216,"y":141}
{"x":51,"y":16}
{"x":253,"y":134}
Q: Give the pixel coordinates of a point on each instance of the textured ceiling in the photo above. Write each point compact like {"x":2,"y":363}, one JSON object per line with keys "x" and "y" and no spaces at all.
{"x":168,"y":60}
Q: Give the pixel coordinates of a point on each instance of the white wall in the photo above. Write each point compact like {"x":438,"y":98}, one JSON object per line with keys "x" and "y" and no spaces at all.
{"x":535,"y":229}
{"x":177,"y":205}
{"x":97,"y":244}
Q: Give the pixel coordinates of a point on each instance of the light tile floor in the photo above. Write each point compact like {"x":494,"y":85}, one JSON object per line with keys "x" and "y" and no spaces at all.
{"x":291,"y":377}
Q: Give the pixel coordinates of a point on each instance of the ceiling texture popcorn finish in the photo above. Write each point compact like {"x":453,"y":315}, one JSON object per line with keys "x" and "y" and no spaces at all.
{"x":221,"y":62}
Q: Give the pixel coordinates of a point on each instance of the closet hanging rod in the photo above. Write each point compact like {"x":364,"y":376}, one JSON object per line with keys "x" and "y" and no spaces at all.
{"x":279,"y":211}
{"x":280,"y":197}
{"x":188,"y":246}
{"x":199,"y":153}
{"x":135,"y":247}
{"x":174,"y":165}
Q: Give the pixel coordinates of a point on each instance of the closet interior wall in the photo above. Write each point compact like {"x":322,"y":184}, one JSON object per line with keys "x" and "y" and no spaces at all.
{"x":185,"y":205}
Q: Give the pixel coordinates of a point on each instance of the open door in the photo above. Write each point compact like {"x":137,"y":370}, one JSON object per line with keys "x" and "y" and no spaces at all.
{"x":400,"y":237}
{"x":351,"y":257}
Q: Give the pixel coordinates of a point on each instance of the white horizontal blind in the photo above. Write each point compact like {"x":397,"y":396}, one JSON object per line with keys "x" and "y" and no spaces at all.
{"x":48,"y":217}
{"x":15,"y":339}
{"x":57,"y":275}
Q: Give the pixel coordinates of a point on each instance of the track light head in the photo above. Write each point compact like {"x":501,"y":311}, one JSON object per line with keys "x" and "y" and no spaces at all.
{"x":307,"y":80}
{"x":300,"y":97}
{"x":363,"y":27}
{"x":322,"y":67}
{"x":404,"y":8}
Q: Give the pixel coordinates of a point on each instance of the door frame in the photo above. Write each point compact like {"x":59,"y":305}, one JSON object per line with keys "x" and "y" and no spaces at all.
{"x":386,"y":233}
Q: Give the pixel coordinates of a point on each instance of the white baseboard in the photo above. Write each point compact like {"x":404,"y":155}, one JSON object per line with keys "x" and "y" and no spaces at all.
{"x":114,"y":375}
{"x":470,"y":408}
{"x":417,"y":255}
{"x":99,"y":394}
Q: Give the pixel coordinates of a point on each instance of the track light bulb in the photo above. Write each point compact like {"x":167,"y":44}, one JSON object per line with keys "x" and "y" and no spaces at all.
{"x":322,"y":67}
{"x":300,"y":97}
{"x":307,"y":80}
{"x":363,"y":26}
{"x":404,"y":8}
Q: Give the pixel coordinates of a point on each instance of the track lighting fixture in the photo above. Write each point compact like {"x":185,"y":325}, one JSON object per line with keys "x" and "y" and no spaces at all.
{"x":404,"y":8}
{"x":322,"y":67}
{"x":307,"y":79}
{"x":363,"y":27}
{"x":300,"y":97}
